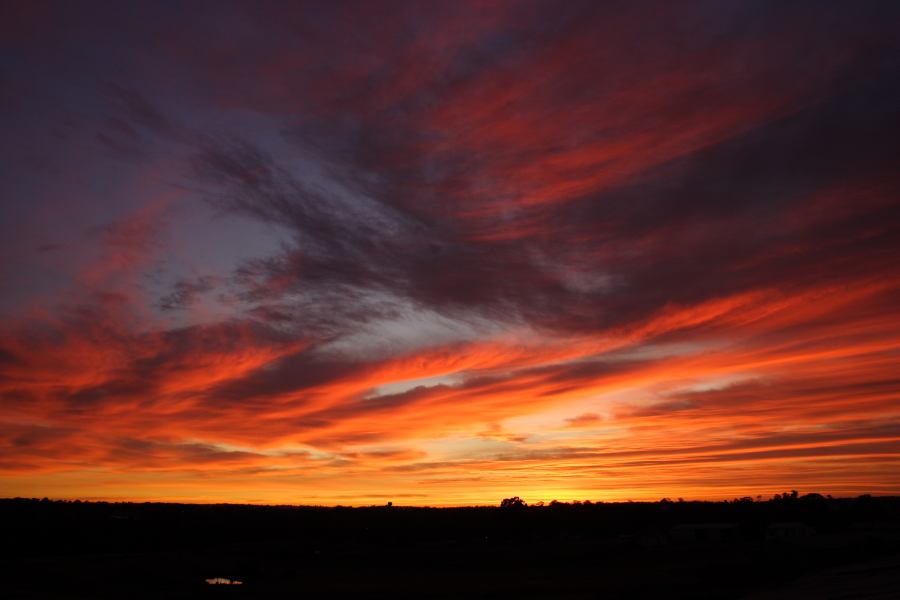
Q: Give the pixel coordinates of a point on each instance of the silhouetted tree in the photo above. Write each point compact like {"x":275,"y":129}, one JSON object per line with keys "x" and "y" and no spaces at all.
{"x":512,"y":503}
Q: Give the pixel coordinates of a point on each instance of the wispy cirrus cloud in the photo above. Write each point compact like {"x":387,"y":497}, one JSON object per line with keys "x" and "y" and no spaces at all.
{"x":593,"y":250}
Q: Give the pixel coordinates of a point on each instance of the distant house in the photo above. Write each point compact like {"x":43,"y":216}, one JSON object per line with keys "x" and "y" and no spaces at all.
{"x":705,"y":532}
{"x":788,"y":530}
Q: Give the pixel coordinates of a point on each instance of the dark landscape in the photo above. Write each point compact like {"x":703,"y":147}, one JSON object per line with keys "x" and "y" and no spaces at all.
{"x":792,"y":546}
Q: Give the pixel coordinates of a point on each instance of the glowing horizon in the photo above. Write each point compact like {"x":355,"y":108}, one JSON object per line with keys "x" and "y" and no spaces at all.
{"x":446,"y":254}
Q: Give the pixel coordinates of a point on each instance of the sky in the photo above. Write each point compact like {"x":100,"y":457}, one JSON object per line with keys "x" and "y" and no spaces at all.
{"x":443,"y":253}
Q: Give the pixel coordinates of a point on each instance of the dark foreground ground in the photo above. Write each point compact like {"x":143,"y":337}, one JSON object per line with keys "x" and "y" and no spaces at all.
{"x":797,"y":548}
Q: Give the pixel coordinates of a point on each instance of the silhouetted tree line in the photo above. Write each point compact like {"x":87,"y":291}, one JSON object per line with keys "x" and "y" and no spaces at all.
{"x":103,"y":526}
{"x":187,"y":543}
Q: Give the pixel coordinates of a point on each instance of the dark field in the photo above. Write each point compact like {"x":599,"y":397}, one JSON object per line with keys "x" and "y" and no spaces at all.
{"x":795,"y":547}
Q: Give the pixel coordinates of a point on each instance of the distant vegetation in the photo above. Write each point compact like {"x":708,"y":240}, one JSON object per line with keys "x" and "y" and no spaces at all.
{"x":72,"y":526}
{"x":670,"y":548}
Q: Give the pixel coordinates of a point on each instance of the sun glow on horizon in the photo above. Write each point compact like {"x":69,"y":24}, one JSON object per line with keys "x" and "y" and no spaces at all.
{"x":481,"y":250}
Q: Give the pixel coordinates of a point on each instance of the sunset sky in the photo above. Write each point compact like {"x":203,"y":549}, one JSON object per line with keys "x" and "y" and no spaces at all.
{"x":445,"y":253}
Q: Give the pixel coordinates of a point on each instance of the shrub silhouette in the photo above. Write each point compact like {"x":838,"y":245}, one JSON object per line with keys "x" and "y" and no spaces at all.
{"x":512,"y":503}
